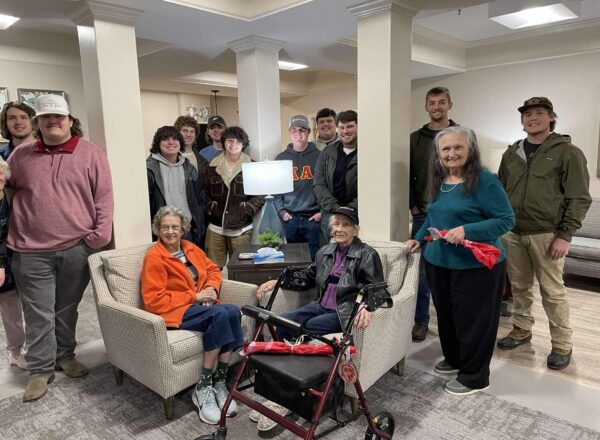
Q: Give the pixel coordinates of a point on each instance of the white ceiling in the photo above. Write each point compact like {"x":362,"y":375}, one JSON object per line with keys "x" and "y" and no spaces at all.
{"x":177,"y":41}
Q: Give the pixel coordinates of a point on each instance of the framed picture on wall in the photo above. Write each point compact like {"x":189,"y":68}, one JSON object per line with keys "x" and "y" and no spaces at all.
{"x":3,"y":100}
{"x":28,"y":96}
{"x":3,"y":96}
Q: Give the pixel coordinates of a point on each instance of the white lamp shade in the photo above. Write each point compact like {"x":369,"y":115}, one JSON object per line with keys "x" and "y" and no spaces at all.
{"x":268,"y":178}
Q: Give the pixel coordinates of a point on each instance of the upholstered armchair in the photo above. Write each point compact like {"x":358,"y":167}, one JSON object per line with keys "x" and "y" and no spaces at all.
{"x":137,"y":342}
{"x":385,"y":342}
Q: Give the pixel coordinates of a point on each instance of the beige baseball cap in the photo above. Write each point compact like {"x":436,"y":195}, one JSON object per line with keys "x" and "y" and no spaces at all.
{"x":51,"y":105}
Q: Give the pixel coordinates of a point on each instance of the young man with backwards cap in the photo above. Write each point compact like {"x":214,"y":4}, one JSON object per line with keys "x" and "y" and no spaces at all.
{"x":300,"y":209}
{"x":62,"y":213}
{"x":547,"y":182}
{"x":215,"y":127}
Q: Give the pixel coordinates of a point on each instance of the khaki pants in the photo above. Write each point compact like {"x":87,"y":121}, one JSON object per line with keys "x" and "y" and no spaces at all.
{"x":219,"y":247}
{"x":527,"y":255}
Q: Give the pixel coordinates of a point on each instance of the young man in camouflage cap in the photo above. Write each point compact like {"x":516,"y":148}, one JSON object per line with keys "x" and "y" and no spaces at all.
{"x":547,"y":182}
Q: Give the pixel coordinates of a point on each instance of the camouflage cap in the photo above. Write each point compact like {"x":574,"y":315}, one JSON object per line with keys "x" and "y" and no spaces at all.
{"x":536,"y":101}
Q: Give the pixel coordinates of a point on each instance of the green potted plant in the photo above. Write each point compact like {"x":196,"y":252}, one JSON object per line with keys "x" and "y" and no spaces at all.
{"x":268,"y":238}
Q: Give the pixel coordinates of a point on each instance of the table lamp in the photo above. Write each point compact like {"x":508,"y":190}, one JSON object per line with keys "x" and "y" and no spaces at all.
{"x":268,"y":178}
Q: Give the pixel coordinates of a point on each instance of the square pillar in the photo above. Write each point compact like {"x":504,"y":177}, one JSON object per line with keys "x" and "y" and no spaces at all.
{"x":114,"y":109}
{"x":258,"y":93}
{"x":384,"y":97}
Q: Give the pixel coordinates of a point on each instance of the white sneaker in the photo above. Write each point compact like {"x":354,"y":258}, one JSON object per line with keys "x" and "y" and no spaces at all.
{"x":222,"y":393}
{"x":265,"y":423}
{"x":17,"y":360}
{"x":208,"y":410}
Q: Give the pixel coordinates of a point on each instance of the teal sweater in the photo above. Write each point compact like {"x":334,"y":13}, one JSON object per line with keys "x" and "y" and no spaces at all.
{"x":486,"y":215}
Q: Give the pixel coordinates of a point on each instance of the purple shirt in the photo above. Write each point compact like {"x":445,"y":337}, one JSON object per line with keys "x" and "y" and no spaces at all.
{"x":328,"y":301}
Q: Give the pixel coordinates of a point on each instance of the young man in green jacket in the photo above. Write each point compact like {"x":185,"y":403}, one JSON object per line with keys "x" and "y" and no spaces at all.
{"x":547,"y":182}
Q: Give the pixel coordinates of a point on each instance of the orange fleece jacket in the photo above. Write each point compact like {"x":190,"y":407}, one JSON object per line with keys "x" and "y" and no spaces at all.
{"x":167,"y":286}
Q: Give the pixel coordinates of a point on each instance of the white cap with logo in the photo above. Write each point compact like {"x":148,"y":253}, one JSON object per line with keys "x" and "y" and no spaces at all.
{"x":51,"y":105}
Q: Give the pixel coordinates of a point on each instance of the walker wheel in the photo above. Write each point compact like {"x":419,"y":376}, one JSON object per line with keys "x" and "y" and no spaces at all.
{"x":384,"y":422}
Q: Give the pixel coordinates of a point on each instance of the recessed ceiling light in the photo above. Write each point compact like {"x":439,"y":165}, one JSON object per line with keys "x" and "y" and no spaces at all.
{"x":287,"y":65}
{"x":7,"y":21}
{"x":534,"y":16}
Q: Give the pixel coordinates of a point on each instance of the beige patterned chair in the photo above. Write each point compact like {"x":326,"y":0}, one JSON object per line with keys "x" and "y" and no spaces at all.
{"x":137,"y":342}
{"x":385,"y":342}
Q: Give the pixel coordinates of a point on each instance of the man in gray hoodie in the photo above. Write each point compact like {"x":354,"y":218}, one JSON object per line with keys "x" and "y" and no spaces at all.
{"x":299,"y":209}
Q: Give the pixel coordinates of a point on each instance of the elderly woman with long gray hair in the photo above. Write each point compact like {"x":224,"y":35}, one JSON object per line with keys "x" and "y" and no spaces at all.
{"x":469,"y":203}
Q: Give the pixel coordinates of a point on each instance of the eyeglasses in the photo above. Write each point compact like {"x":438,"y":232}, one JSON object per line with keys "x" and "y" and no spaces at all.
{"x":174,"y":228}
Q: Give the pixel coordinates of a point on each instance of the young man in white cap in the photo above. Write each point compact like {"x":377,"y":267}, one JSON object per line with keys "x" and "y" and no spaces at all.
{"x":300,"y":210}
{"x":62,"y":212}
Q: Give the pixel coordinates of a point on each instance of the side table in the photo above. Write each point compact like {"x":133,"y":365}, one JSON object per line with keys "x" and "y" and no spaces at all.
{"x":295,"y":254}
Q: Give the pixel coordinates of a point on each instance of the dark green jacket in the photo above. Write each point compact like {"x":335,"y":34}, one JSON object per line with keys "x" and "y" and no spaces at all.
{"x":421,"y":150}
{"x":552,"y":195}
{"x":323,"y":183}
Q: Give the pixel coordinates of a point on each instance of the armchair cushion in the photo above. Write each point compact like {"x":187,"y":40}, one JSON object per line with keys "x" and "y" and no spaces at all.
{"x":122,"y":270}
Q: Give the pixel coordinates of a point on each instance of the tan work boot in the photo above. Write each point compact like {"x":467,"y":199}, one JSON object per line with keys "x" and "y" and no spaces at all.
{"x":37,"y":387}
{"x":516,"y":337}
{"x":72,"y":368}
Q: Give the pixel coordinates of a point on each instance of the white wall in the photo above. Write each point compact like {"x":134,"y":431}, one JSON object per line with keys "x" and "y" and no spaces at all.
{"x":486,"y":100}
{"x":37,"y":60}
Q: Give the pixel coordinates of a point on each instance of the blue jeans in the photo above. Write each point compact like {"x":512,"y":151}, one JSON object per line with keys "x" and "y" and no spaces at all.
{"x":314,"y":317}
{"x":299,"y":229}
{"x":220,"y":325}
{"x":423,"y":293}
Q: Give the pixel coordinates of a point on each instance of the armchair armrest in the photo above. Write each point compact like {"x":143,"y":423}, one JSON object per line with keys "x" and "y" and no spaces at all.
{"x":240,"y":294}
{"x":136,"y":342}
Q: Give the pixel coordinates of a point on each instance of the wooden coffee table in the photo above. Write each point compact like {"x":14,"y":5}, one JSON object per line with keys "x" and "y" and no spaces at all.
{"x":295,"y":254}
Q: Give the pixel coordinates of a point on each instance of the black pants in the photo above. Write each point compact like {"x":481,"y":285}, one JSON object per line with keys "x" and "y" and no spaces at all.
{"x":467,"y":303}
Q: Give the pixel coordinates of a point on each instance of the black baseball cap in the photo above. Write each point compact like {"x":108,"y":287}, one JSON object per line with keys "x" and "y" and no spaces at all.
{"x":213,"y":120}
{"x":347,"y":212}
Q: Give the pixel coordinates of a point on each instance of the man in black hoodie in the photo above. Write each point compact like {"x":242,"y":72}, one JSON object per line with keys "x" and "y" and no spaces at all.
{"x":299,"y":209}
{"x":437,"y":105}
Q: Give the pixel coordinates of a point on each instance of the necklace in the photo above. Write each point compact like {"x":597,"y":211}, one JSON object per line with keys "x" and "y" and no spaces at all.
{"x":453,"y":186}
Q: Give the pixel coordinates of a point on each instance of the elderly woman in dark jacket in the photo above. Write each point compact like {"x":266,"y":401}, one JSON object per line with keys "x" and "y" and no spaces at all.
{"x":339,"y":271}
{"x":230,"y":211}
{"x":173,"y":181}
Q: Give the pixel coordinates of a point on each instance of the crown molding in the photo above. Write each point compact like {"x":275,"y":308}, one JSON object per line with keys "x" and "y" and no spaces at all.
{"x":426,"y":32}
{"x":255,"y":42}
{"x":92,"y":10}
{"x":374,"y":7}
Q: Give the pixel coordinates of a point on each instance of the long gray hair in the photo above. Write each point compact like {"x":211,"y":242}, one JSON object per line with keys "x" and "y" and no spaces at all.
{"x":438,"y":172}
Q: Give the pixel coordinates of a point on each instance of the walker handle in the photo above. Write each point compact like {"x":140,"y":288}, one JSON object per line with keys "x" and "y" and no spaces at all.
{"x":267,"y":316}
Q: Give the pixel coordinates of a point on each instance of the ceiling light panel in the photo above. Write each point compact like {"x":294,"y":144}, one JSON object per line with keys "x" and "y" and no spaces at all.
{"x":287,"y":65}
{"x":7,"y":21}
{"x":522,"y":16}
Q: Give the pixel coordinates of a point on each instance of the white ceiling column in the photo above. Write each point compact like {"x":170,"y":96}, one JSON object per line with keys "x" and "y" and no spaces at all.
{"x":112,"y":97}
{"x":258,"y":93}
{"x":384,"y":97}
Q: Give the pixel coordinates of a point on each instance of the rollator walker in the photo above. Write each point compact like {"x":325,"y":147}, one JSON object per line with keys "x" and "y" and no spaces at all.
{"x":308,"y":385}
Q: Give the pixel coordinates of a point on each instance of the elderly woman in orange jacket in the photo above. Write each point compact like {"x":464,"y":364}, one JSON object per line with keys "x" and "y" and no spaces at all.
{"x":182,"y":285}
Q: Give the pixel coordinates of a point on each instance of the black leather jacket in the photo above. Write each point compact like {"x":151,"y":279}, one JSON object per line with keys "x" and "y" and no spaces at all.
{"x":362,"y":267}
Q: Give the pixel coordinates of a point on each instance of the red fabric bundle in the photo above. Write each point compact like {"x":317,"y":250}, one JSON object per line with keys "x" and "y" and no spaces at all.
{"x":486,"y":254}
{"x":284,"y":347}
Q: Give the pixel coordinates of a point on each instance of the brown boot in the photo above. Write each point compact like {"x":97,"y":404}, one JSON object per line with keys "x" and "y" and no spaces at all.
{"x":516,"y":337}
{"x":419,"y":332}
{"x":72,"y":368}
{"x":37,"y":387}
